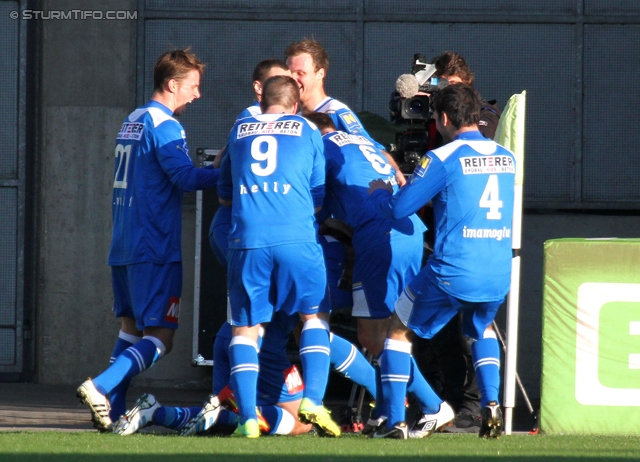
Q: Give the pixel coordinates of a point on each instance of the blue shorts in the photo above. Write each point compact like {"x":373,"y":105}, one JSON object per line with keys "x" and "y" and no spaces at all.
{"x":148,"y":293}
{"x":335,"y":257}
{"x":289,"y":277}
{"x":219,"y":233}
{"x":381,"y":273}
{"x":278,"y":383}
{"x":425,"y":308}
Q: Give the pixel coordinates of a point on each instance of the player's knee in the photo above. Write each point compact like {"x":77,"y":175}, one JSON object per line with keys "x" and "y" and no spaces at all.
{"x":289,"y":425}
{"x":161,"y":348}
{"x":128,"y":326}
{"x":315,"y":323}
{"x":369,"y":341}
{"x":489,"y":333}
{"x":397,"y":328}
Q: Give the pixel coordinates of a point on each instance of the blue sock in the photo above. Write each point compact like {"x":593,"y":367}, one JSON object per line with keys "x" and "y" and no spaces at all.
{"x":428,"y":400}
{"x":174,"y":417}
{"x":118,"y":396}
{"x":227,"y":418}
{"x":395,"y":370}
{"x":273,"y":416}
{"x":379,"y":409}
{"x":314,"y":355}
{"x":348,"y":361}
{"x":243,"y":358}
{"x":130,"y":363}
{"x":486,"y":361}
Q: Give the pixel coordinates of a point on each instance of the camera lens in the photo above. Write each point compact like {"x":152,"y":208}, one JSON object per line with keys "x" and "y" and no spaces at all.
{"x":416,"y":106}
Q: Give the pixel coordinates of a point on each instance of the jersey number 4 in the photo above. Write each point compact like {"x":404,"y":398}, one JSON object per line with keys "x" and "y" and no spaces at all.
{"x":490,"y":198}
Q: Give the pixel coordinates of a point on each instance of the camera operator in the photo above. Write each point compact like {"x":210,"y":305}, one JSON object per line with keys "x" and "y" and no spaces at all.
{"x":452,"y":67}
{"x":450,"y":350}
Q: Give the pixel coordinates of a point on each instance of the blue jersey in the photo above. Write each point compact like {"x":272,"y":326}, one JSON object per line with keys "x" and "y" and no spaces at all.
{"x":274,"y":174}
{"x":344,"y":118}
{"x":471,"y":184}
{"x":152,"y":170}
{"x":352,"y":163}
{"x":251,"y":111}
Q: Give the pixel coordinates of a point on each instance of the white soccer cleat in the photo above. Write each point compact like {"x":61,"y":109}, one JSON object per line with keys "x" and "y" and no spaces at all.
{"x":139,"y":416}
{"x":429,"y":423}
{"x":205,"y":419}
{"x":98,"y":405}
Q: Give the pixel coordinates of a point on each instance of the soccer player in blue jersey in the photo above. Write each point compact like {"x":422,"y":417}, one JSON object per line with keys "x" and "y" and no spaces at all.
{"x":152,"y":170}
{"x":345,"y":358}
{"x":470,"y":182}
{"x":388,"y":251}
{"x":308,"y":62}
{"x":273,"y":176}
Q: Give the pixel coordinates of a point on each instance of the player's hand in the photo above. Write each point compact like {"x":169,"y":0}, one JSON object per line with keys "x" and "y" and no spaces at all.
{"x":379,"y":184}
{"x":400,"y":178}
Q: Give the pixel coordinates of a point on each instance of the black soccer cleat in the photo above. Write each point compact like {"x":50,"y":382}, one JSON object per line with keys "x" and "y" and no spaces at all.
{"x":492,"y":421}
{"x":399,"y":431}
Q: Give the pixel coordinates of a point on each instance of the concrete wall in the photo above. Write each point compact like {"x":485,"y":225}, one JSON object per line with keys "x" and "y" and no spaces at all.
{"x":88,"y":83}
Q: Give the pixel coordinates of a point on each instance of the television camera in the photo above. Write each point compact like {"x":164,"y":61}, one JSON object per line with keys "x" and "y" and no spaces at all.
{"x":410,"y":107}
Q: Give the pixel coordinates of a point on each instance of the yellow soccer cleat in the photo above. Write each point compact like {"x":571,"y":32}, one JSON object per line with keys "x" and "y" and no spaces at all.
{"x":250,"y":429}
{"x":320,"y":417}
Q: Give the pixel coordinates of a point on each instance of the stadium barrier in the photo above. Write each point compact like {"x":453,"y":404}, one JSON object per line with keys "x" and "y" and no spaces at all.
{"x":591,"y":336}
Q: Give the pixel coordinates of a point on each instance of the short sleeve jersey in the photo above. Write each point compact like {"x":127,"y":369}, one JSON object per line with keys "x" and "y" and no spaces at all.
{"x":344,"y":118}
{"x":274,"y":175}
{"x":471,"y":184}
{"x":152,"y":169}
{"x":353,"y":162}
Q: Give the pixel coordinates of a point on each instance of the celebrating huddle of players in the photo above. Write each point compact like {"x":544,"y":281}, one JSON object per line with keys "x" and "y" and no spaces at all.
{"x":299,"y":178}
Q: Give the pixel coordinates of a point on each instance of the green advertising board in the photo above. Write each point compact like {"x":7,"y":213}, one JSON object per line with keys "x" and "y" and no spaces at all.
{"x":591,"y":336}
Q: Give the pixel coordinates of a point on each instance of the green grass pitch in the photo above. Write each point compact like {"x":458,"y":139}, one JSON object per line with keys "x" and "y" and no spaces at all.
{"x":91,"y":446}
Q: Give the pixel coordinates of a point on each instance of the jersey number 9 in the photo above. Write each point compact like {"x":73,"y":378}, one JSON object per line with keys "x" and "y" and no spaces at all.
{"x":269,"y":155}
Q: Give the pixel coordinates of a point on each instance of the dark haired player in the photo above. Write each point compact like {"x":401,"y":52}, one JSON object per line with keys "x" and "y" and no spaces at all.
{"x":470,"y":182}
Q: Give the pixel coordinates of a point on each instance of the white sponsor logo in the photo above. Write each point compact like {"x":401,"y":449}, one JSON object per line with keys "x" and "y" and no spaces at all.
{"x":487,"y":164}
{"x":266,"y":187}
{"x":592,"y":296}
{"x":342,"y":139}
{"x":486,"y":233}
{"x":282,"y":127}
{"x":131,"y":131}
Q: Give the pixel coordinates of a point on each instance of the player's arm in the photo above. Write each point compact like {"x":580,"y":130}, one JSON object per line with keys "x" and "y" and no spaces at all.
{"x":225,"y":183}
{"x":318,"y":173}
{"x":399,"y":175}
{"x":173,"y":156}
{"x":423,"y":185}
